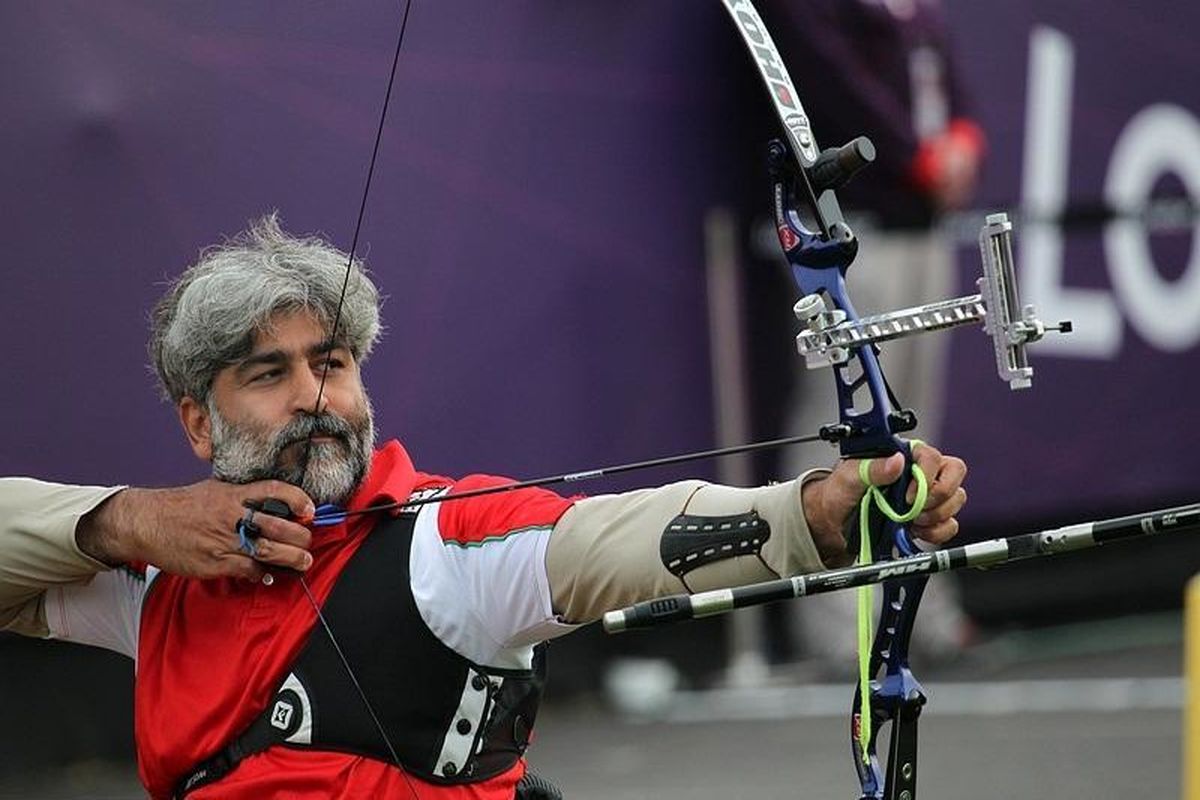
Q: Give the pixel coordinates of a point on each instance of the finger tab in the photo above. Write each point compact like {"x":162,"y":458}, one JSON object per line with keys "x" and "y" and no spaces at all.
{"x":276,"y":508}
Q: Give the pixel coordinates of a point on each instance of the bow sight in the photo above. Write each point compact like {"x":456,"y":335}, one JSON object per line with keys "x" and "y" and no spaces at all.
{"x":830,"y":335}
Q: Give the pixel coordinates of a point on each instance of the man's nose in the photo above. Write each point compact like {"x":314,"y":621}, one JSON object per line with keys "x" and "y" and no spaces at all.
{"x":307,"y":392}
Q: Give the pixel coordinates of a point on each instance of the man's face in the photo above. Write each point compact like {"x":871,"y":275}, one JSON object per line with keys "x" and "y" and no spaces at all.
{"x":260,"y":421}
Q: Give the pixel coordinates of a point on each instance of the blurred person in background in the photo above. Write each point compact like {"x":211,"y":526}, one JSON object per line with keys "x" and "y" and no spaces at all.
{"x":884,"y":69}
{"x":426,"y":680}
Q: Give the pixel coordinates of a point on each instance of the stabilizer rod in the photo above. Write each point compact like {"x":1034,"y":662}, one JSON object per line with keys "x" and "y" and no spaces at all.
{"x":675,"y":608}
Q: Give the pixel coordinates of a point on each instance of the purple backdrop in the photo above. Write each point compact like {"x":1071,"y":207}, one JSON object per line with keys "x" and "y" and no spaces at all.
{"x":1100,"y":430}
{"x":535,"y":221}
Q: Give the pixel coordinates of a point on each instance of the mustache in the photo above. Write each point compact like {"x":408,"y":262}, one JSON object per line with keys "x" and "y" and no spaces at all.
{"x":303,"y":428}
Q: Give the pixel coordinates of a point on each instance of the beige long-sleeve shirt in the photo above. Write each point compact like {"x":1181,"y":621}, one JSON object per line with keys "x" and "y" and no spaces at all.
{"x":602,"y":554}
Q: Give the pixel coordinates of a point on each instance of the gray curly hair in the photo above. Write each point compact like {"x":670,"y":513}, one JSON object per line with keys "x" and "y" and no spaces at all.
{"x":209,"y":316}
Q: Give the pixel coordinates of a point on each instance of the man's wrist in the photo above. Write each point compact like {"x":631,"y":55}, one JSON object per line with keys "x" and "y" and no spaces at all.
{"x":823,"y":526}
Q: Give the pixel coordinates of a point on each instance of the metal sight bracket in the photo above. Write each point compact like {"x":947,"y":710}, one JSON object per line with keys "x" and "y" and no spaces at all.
{"x":829,"y":337}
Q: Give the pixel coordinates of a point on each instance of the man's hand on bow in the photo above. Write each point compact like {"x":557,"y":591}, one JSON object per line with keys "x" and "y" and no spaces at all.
{"x":191,"y":530}
{"x":829,"y":502}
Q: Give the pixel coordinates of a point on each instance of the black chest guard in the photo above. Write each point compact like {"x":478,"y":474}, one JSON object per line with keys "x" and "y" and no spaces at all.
{"x":450,"y":720}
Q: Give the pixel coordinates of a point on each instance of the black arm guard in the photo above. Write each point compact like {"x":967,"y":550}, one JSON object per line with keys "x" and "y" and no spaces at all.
{"x":693,"y":541}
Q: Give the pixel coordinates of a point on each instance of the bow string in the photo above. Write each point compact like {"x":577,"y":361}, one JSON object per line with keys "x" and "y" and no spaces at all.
{"x":333,"y":333}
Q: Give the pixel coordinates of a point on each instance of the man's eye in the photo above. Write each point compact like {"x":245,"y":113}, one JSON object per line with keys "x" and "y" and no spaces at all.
{"x":331,"y":363}
{"x":268,"y":375}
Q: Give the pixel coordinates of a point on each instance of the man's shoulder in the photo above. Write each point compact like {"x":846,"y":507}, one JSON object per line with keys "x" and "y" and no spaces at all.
{"x":427,"y":482}
{"x":487,"y":511}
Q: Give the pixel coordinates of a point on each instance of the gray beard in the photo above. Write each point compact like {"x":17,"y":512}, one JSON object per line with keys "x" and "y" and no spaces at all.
{"x":248,"y":453}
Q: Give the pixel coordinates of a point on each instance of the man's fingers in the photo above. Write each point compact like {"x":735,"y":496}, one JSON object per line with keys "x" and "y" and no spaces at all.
{"x":295,"y":498}
{"x":944,"y":474}
{"x":946,"y":496}
{"x":282,"y":555}
{"x":939,"y":533}
{"x":282,"y":530}
{"x":949,"y":477}
{"x":277,"y":542}
{"x":942,"y":511}
{"x":282,"y":542}
{"x":885,"y":471}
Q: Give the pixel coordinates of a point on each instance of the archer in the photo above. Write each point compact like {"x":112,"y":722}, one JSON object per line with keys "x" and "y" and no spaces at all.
{"x":291,"y":636}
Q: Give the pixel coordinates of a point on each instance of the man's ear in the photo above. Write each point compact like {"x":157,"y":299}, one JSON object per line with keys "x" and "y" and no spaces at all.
{"x":197,"y":424}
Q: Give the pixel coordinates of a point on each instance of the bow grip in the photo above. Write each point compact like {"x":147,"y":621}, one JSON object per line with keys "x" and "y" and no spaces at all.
{"x":896,"y":533}
{"x":884,"y":532}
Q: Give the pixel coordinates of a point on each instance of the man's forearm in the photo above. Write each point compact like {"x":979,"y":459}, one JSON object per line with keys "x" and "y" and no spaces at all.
{"x":106,"y":533}
{"x":53,"y":534}
{"x":608,"y":551}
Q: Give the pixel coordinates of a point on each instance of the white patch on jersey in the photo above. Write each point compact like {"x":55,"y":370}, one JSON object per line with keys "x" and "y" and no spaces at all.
{"x":490,"y":602}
